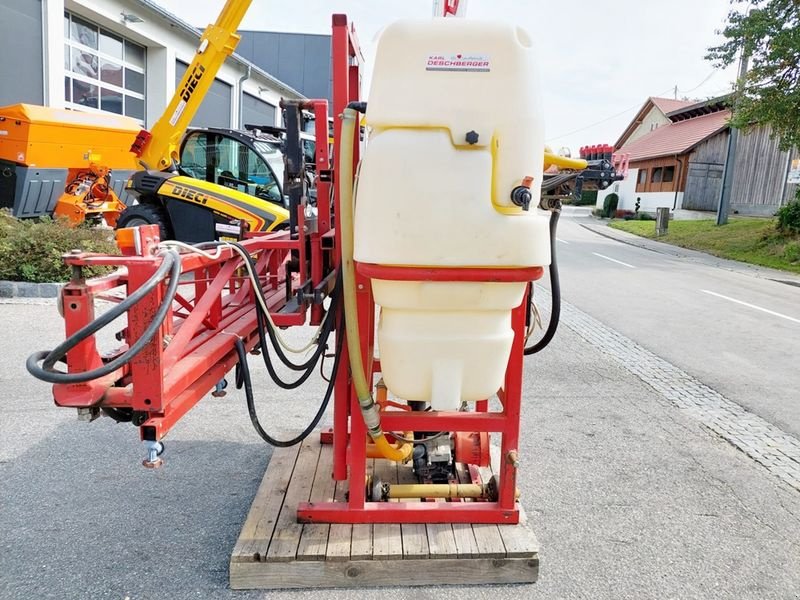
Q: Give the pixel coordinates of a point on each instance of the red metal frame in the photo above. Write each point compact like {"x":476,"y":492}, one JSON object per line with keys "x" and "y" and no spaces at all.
{"x":194,"y":347}
{"x":505,"y":422}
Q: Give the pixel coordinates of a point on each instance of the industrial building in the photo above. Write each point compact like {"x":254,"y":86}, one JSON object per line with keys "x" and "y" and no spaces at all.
{"x":123,"y":57}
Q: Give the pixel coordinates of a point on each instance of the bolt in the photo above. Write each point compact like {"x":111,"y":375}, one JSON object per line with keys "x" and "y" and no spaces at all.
{"x":513,"y":459}
{"x":472,"y":137}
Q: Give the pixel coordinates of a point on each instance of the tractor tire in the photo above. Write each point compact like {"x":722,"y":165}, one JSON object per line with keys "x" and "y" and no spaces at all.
{"x":146,"y":214}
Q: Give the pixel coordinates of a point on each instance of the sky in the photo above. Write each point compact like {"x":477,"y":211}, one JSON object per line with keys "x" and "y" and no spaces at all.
{"x":599,"y":61}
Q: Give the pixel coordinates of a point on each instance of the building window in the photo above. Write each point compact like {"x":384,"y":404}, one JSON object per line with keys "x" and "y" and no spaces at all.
{"x":669,"y":174}
{"x":657,"y":175}
{"x":102,"y":71}
{"x":642,"y":179}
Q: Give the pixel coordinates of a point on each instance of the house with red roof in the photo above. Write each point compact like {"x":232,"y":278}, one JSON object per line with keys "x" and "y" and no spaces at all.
{"x":677,"y":151}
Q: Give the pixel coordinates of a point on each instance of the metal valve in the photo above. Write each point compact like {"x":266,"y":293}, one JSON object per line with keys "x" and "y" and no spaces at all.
{"x":521,"y":195}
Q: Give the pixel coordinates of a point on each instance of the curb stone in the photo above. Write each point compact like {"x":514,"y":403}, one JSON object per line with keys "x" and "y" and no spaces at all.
{"x":24,"y":289}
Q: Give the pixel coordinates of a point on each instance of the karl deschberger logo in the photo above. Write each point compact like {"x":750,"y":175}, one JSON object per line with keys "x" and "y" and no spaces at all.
{"x":459,"y":62}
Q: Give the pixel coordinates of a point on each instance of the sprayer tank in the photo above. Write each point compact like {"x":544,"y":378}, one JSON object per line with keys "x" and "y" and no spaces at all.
{"x":454,"y":126}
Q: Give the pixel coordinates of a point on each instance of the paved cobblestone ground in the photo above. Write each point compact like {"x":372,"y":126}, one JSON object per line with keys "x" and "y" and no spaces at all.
{"x":768,"y":445}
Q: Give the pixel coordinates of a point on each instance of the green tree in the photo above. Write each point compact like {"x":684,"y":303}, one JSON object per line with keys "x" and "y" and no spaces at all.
{"x":768,"y":31}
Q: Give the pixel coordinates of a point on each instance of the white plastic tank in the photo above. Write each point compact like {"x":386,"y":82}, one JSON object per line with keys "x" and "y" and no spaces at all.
{"x":454,"y":118}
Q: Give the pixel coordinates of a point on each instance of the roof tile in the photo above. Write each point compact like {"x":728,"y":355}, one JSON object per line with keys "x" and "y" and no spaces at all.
{"x":667,"y":105}
{"x":676,"y":138}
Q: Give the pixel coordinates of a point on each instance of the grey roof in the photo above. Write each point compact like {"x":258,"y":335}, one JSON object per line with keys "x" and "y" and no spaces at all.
{"x":195,"y":32}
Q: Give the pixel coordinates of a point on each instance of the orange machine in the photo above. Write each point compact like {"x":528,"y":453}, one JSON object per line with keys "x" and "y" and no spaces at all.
{"x":63,"y":162}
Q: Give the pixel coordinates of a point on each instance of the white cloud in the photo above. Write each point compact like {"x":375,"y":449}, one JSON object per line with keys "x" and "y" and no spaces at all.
{"x":597,"y":58}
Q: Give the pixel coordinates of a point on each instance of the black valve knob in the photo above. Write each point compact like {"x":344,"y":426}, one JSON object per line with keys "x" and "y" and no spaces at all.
{"x":521,"y":196}
{"x":472,"y":137}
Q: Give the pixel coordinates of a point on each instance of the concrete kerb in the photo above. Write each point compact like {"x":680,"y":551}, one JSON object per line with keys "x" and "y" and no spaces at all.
{"x":694,"y":255}
{"x":24,"y":289}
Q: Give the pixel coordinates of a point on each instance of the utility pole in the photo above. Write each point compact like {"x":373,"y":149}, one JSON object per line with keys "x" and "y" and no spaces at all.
{"x":675,"y":92}
{"x":727,"y":174}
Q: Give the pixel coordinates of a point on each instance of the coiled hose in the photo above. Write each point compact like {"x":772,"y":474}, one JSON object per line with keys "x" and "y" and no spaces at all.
{"x":171,"y":264}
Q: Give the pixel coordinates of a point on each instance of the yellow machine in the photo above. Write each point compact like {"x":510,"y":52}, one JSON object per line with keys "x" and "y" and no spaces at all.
{"x":64,"y":162}
{"x":187,"y":208}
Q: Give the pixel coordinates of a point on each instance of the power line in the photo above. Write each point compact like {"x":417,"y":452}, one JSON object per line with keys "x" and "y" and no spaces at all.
{"x":699,"y":85}
{"x":619,"y":114}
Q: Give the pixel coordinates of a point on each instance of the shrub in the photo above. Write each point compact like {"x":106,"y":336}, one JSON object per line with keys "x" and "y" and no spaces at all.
{"x":791,"y":252}
{"x":645,"y":216}
{"x":598,"y":212}
{"x":789,"y":217}
{"x":588,"y":198}
{"x":610,"y":205}
{"x":31,"y":249}
{"x":621,"y":213}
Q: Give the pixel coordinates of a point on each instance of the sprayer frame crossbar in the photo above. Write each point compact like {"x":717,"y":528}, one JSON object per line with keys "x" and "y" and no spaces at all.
{"x":194,"y":347}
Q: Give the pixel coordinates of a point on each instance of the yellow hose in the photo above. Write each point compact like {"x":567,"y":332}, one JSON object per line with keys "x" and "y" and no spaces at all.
{"x":369,"y":409}
{"x":563,"y":162}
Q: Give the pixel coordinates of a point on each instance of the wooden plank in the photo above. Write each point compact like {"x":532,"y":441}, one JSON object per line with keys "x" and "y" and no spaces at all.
{"x":260,"y":523}
{"x":314,"y":541}
{"x":387,"y":537}
{"x":363,"y":573}
{"x":519,"y":540}
{"x":287,"y":534}
{"x":340,"y":535}
{"x":466,"y":546}
{"x":487,"y":537}
{"x":361,"y":544}
{"x":415,"y":538}
{"x":441,"y":540}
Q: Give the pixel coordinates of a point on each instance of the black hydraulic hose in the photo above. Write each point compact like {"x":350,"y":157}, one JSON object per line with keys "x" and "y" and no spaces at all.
{"x":251,"y":407}
{"x":321,"y":346}
{"x":555,"y":290}
{"x":265,"y":330}
{"x":264,"y":324}
{"x":46,"y":372}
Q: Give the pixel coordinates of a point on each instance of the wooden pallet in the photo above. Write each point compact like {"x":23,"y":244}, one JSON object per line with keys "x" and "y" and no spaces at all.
{"x":274,"y":551}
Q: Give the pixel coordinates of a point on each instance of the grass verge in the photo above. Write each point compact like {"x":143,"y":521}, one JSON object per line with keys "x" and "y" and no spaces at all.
{"x":752,"y":240}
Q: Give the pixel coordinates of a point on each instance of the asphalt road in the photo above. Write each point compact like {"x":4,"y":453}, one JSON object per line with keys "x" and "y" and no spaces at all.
{"x":736,"y":330}
{"x":629,"y":497}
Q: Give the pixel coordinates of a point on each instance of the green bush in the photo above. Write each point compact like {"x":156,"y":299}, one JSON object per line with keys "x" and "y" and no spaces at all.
{"x":789,"y":217}
{"x":31,"y":249}
{"x":791,"y":252}
{"x":588,"y":197}
{"x":645,"y":216}
{"x":610,"y":205}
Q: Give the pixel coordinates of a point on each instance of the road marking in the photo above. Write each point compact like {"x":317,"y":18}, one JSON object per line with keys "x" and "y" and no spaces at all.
{"x":558,"y":239}
{"x":619,"y":262}
{"x":766,"y":310}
